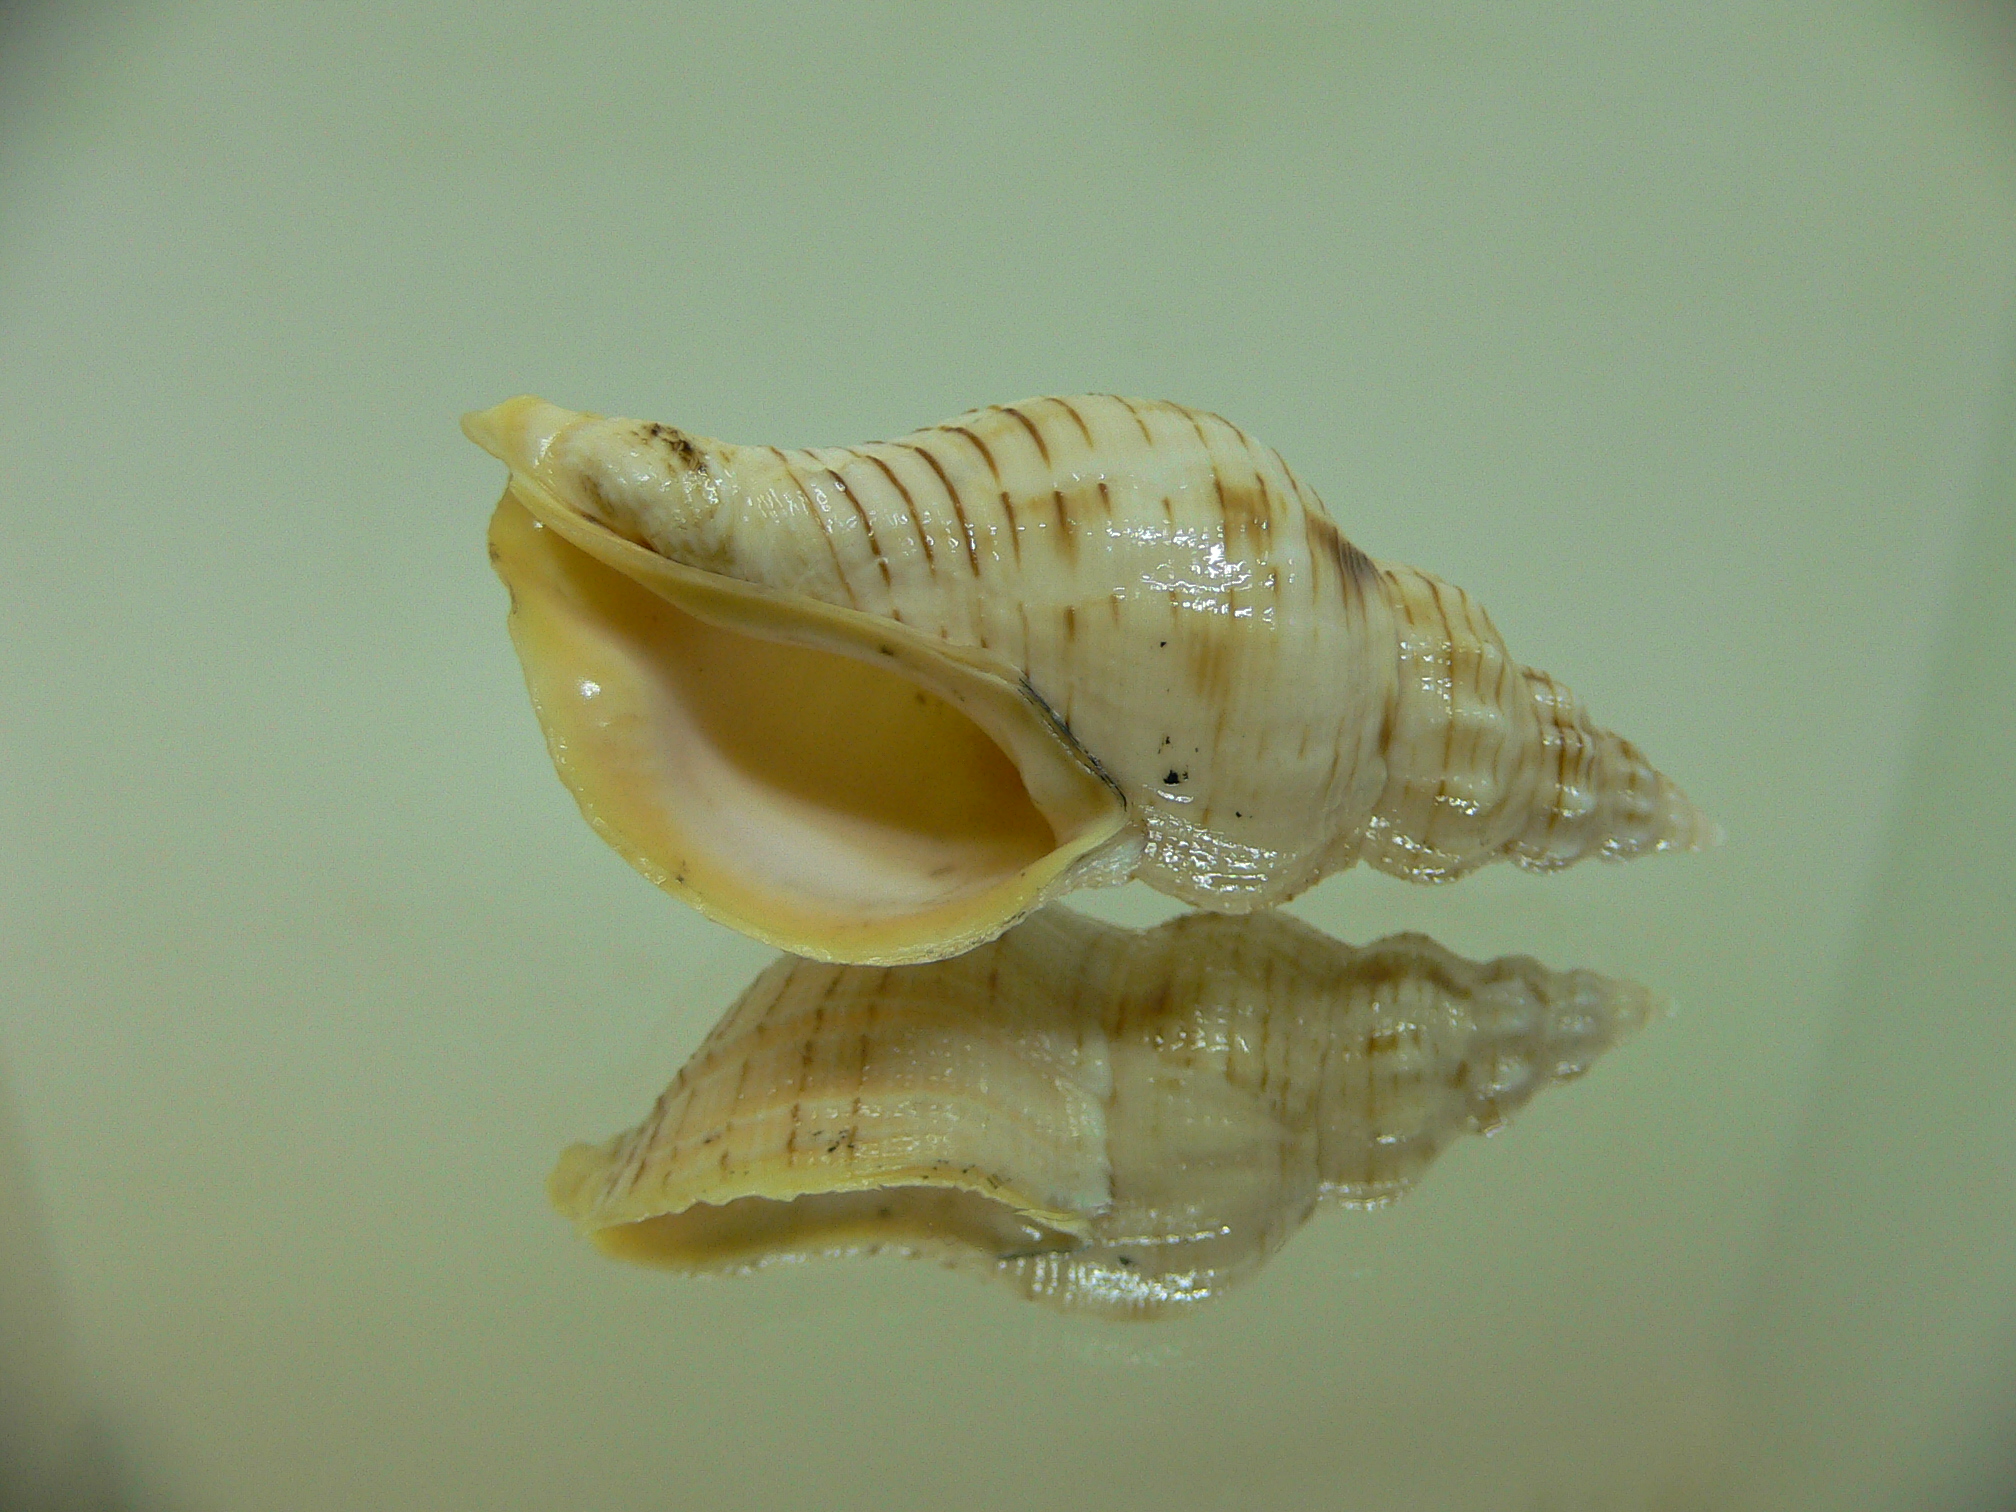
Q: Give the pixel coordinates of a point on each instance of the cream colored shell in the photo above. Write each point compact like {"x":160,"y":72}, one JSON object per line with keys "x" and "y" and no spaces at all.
{"x":875,"y":703}
{"x":1108,"y":1120}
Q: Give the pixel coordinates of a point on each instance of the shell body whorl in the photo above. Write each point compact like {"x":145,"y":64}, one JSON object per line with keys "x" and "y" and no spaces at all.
{"x":1267,"y":702}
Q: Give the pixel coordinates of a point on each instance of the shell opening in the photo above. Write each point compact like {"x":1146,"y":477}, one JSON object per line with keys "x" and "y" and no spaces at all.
{"x":817,"y":795}
{"x":753,"y":1231}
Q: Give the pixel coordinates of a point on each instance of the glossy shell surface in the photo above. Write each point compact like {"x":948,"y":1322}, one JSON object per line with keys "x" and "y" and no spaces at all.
{"x":875,"y":703}
{"x":1108,"y":1120}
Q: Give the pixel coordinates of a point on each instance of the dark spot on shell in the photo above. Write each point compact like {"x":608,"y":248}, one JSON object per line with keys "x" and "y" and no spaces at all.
{"x":1173,"y":778}
{"x":676,"y":442}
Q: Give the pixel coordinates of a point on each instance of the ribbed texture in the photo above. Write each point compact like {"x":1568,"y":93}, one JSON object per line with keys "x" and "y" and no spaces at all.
{"x":1152,"y":1113}
{"x":1488,"y":759}
{"x":1273,"y":704}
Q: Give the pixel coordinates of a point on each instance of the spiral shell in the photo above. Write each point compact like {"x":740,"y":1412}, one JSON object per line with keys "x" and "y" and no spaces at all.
{"x":1109,"y":1120}
{"x":874,"y":704}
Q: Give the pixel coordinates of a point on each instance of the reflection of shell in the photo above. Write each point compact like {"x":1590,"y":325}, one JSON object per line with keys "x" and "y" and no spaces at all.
{"x":874,"y":704}
{"x":1111,"y":1120}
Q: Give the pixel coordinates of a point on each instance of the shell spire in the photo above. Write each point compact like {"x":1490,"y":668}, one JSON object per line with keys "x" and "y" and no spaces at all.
{"x":1537,"y":783}
{"x":876,"y":703}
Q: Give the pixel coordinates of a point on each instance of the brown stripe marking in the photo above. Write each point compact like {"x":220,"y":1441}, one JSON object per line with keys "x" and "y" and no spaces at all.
{"x":1209,"y":659}
{"x":1448,"y":659}
{"x":868,"y":525}
{"x":1042,"y":448}
{"x":1072,"y":410}
{"x":805,"y":1066}
{"x":930,"y":556}
{"x":819,"y":515}
{"x":685,"y":1112}
{"x":1253,"y":461}
{"x":1007,"y":505}
{"x":1237,"y":507}
{"x":1466,"y":667}
{"x":952,"y":496}
{"x":1396,"y":600}
{"x":1558,"y":807}
{"x":981,"y":446}
{"x":1128,"y":405}
{"x":1217,"y":482}
{"x":1066,"y":535}
{"x":1485,"y":728}
{"x":1356,"y":572}
{"x":741,"y":1081}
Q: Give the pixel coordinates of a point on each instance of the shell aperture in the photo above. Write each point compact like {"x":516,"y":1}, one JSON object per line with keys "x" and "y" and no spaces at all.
{"x":1111,"y":1121}
{"x":873,"y":704}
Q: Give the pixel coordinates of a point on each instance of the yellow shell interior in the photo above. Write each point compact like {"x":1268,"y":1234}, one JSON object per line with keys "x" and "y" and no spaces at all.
{"x":826,"y":781}
{"x":749,"y":1233}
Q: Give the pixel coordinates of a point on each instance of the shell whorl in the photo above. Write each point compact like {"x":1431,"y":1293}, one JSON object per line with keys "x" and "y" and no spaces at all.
{"x":1524,"y":774}
{"x":1273,"y":704}
{"x":1116,"y":1121}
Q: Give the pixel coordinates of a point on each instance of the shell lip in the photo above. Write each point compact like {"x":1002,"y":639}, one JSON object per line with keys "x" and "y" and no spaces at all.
{"x":590,"y":1210}
{"x":812,"y":1210}
{"x":1089,"y":814}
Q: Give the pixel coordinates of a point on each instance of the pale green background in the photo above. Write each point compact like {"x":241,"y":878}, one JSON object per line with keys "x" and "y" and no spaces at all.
{"x":1678,"y":334}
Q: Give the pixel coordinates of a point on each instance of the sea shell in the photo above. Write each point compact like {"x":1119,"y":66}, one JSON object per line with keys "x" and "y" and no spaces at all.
{"x":874,"y":704}
{"x":1110,"y":1120}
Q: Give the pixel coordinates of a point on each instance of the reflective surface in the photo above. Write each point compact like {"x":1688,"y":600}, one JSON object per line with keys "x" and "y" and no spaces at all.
{"x":1120,"y":1122}
{"x":1676,"y":338}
